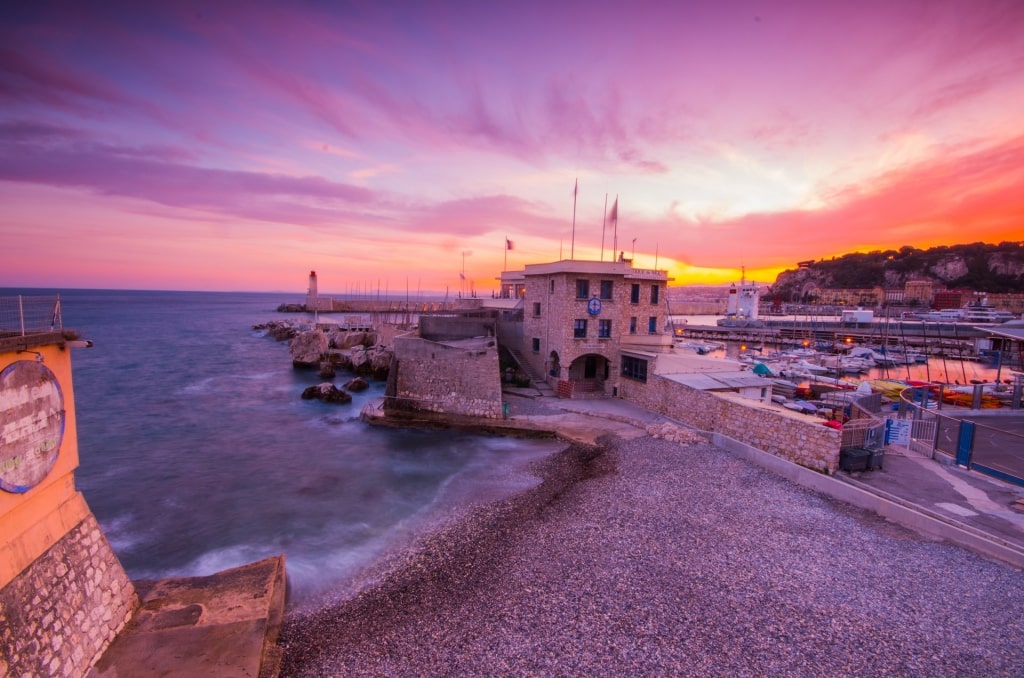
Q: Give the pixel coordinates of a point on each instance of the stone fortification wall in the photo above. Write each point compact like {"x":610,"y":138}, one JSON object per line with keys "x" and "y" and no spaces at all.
{"x":462,"y":380}
{"x":792,"y":437}
{"x":60,"y":613}
{"x":447,"y":328}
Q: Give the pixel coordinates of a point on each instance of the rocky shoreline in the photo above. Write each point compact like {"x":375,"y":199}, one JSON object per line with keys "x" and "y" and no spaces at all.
{"x":338,"y":348}
{"x":646,"y":557}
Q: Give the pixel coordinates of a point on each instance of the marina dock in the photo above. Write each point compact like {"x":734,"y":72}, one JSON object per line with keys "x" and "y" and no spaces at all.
{"x":936,"y":339}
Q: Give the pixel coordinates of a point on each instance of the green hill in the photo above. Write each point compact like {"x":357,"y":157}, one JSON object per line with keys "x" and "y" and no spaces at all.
{"x":977,"y":266}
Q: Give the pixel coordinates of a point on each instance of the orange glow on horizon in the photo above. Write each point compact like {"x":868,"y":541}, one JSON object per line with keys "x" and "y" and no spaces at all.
{"x":694,"y":275}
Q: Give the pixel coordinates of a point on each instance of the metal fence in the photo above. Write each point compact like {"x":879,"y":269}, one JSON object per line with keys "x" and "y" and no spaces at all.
{"x":981,"y":447}
{"x":923,"y":432}
{"x":998,"y":453}
{"x":863,"y":433}
{"x":24,"y":315}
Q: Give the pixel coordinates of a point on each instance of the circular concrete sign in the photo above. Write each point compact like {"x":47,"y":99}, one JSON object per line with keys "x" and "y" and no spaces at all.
{"x":31,"y":424}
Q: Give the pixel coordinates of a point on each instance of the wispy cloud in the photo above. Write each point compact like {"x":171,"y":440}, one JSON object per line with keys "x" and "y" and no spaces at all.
{"x":733,"y":134}
{"x":156,"y":174}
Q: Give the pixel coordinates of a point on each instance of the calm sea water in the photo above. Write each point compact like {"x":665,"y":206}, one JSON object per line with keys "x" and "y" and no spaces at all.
{"x":198,"y":454}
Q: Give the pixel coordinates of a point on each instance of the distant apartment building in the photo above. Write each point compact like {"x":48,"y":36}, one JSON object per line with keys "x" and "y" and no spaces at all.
{"x":1012,"y":302}
{"x":894,"y":296}
{"x":918,"y":293}
{"x":943,"y":299}
{"x":849,"y":296}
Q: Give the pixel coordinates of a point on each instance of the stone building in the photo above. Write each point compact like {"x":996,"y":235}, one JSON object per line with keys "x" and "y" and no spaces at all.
{"x":587,"y":324}
{"x":449,"y":367}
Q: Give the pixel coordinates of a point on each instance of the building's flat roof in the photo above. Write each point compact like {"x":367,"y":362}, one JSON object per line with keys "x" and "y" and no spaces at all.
{"x":577,"y":266}
{"x":1012,"y":332}
{"x":502,"y":304}
{"x":713,"y":381}
{"x":691,"y":363}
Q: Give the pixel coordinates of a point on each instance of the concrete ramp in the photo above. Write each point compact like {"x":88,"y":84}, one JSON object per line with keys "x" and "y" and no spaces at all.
{"x":225,"y":624}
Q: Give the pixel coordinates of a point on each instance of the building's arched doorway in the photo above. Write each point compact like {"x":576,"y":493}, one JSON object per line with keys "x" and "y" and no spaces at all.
{"x":588,"y":374}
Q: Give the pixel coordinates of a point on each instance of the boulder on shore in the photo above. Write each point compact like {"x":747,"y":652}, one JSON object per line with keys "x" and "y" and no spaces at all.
{"x":380,"y":362}
{"x":327,"y":370}
{"x":282,"y":330}
{"x":346,"y":339}
{"x":357,"y":384}
{"x":307,"y":348}
{"x":327,"y":392}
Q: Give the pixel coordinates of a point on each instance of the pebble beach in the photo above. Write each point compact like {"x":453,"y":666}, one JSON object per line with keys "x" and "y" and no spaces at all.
{"x":643,"y":557}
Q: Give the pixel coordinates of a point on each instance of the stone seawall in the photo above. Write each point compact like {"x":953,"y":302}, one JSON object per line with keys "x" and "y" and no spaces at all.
{"x":794,"y":437}
{"x":59,"y":614}
{"x":455,"y":380}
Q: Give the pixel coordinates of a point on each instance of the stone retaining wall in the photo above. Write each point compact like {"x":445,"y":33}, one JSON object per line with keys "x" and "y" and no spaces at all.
{"x":457,"y":380}
{"x":59,"y":614}
{"x":796,"y":438}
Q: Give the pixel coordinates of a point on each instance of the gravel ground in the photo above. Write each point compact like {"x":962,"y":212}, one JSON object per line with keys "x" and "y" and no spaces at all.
{"x":651,"y":558}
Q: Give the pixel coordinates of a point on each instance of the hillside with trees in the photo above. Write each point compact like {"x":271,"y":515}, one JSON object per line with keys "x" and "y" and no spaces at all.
{"x":977,"y":266}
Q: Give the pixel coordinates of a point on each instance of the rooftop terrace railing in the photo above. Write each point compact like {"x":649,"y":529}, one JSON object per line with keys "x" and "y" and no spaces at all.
{"x":23,"y":316}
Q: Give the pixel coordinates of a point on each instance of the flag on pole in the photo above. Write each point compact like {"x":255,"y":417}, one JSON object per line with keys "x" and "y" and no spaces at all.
{"x":614,"y":214}
{"x":509,"y":245}
{"x":462,"y":276}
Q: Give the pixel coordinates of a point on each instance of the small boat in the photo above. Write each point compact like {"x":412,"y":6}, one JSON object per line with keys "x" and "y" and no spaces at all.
{"x":801,"y":406}
{"x":880,"y":359}
{"x":808,"y":366}
{"x":887,"y":387}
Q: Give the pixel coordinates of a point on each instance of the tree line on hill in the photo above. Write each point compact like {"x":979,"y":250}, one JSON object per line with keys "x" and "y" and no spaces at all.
{"x":977,"y":266}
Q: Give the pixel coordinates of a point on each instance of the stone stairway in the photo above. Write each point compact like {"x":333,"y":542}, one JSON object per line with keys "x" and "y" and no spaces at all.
{"x":536,"y":379}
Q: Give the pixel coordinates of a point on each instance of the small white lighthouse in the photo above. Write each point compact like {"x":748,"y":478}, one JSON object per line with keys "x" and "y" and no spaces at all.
{"x":312,"y":302}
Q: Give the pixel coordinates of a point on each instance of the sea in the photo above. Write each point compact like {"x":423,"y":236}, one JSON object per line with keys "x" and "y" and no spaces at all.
{"x":198,"y":454}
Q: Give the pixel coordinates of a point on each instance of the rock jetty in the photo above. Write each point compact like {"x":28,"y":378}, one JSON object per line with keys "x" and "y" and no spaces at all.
{"x":313,"y":347}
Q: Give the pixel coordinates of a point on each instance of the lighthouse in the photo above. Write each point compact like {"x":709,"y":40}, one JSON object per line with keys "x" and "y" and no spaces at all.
{"x":312,"y":302}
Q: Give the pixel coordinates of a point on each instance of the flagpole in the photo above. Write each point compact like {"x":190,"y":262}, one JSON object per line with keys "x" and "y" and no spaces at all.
{"x":615,"y":228}
{"x":604,"y":222}
{"x":504,"y":267}
{"x":572,"y":246}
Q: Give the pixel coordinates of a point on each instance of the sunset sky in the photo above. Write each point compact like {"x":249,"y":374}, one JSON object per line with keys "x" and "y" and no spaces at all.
{"x":238,"y":145}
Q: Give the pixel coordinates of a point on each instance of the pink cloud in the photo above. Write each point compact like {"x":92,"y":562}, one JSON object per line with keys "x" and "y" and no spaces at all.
{"x":157,"y":174}
{"x":461,"y":121}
